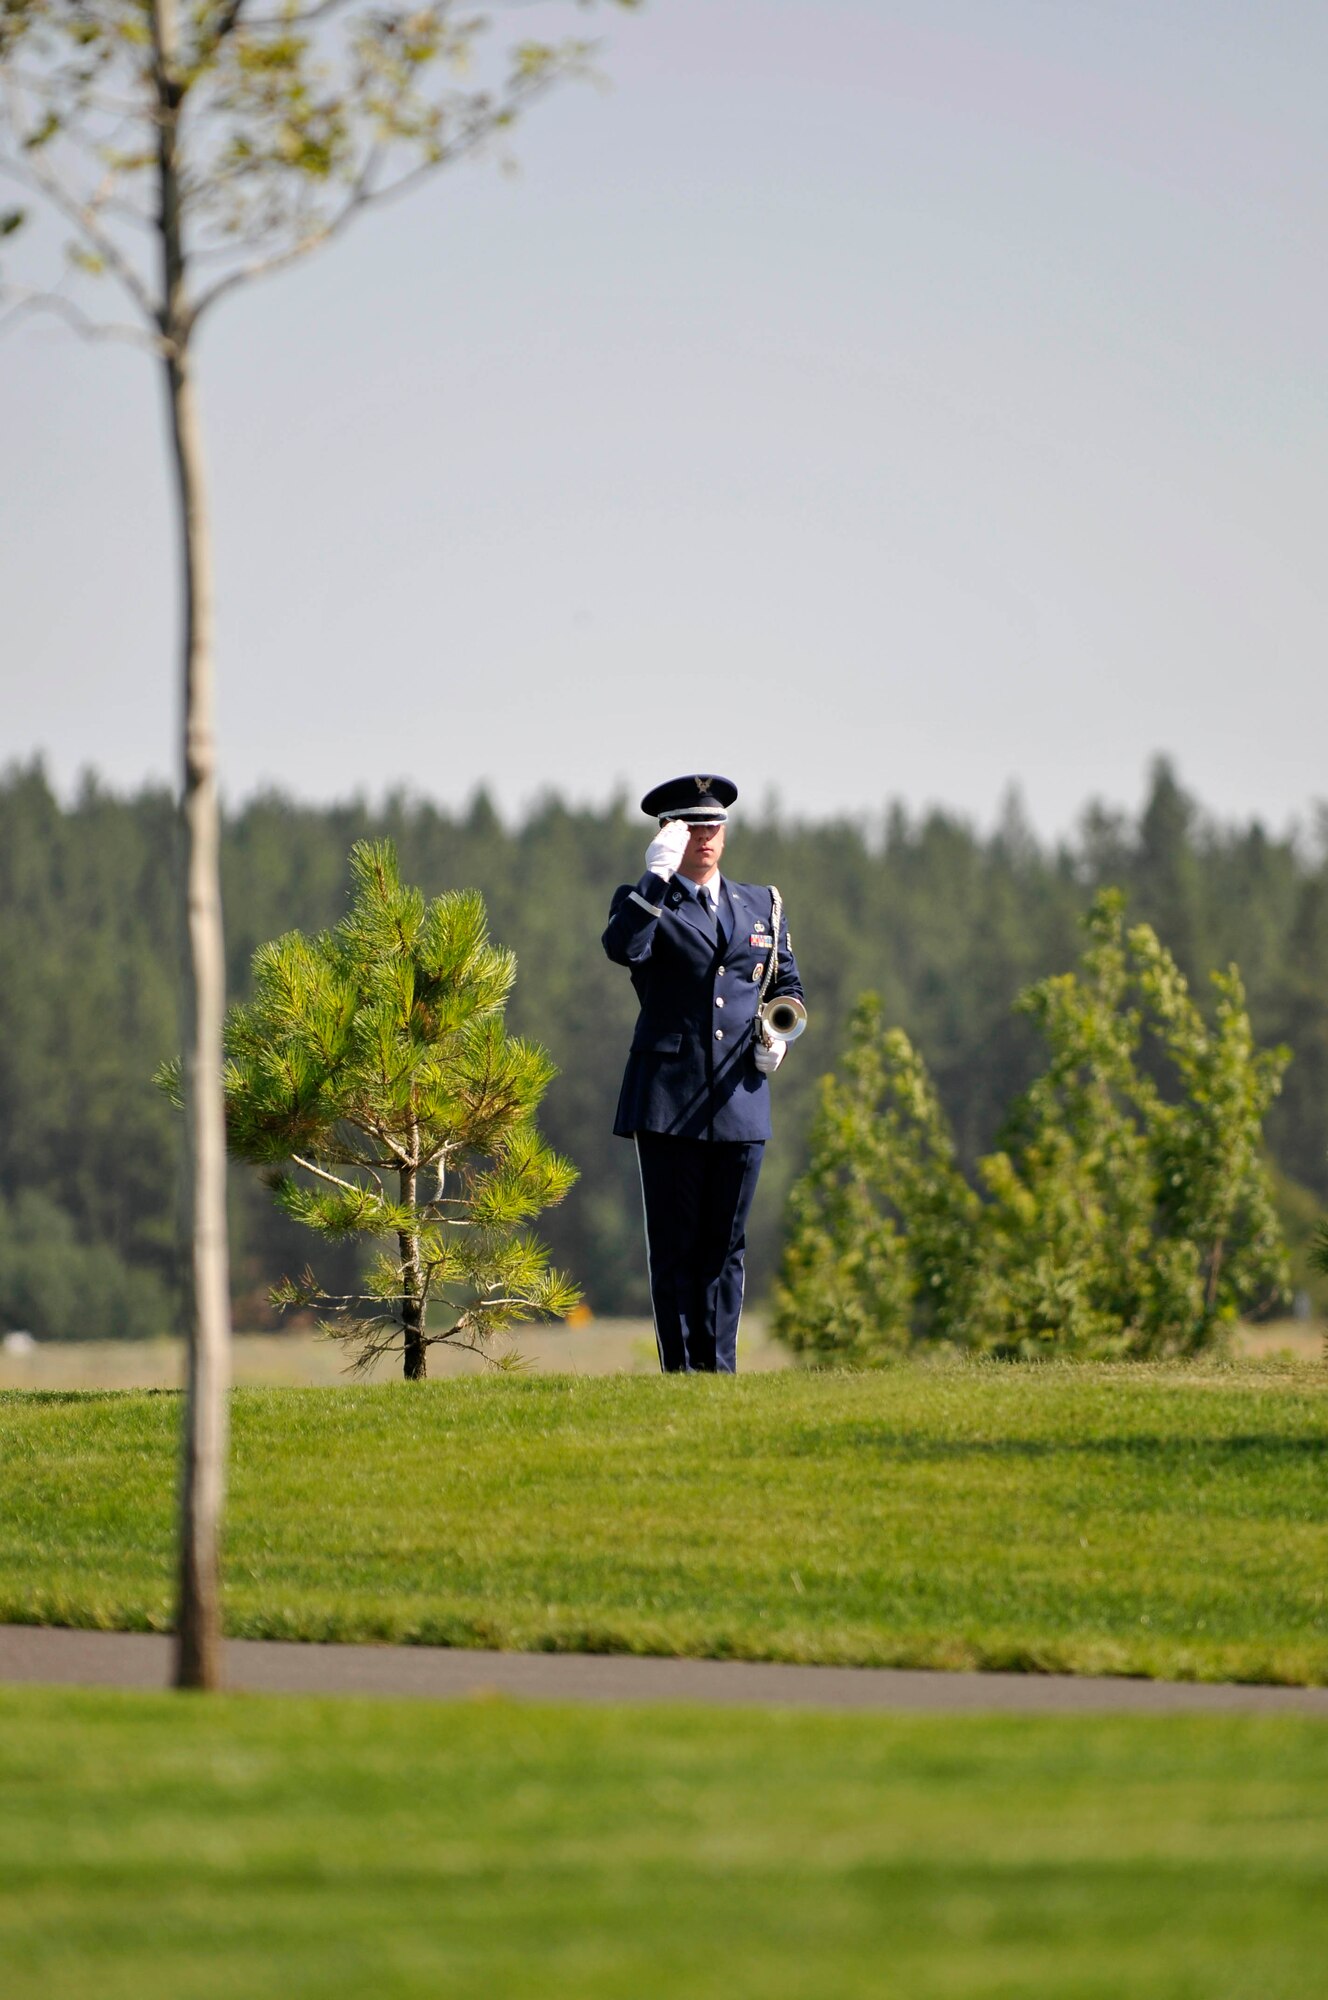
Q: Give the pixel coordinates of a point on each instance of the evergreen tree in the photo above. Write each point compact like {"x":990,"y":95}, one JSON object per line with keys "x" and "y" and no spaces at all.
{"x":1299,"y":1010}
{"x":1166,"y":879}
{"x":372,"y":1075}
{"x":944,"y":923}
{"x":55,"y":1284}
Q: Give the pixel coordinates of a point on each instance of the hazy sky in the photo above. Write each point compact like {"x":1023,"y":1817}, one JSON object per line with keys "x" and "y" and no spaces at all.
{"x":892,"y":399}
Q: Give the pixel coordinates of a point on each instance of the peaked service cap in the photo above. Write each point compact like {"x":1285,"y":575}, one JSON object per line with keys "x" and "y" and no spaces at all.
{"x":698,"y":799}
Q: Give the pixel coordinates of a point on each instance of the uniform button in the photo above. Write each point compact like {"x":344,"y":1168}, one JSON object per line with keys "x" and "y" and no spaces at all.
{"x":721,"y":971}
{"x":719,"y":999}
{"x":719,"y":1034}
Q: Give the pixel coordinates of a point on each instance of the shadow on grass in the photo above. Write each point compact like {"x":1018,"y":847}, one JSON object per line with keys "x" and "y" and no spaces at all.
{"x":27,"y":1397}
{"x":1187,"y":1452}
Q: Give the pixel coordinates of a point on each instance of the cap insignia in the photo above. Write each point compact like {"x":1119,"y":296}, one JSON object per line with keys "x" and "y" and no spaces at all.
{"x":702,"y":784}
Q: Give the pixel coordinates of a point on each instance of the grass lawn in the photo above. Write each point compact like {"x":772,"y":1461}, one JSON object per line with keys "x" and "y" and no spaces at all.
{"x":1092,"y":1519}
{"x":189,"y":1848}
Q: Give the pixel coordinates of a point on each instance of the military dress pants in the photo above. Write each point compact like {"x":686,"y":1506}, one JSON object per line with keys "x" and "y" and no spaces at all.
{"x":697,"y":1193}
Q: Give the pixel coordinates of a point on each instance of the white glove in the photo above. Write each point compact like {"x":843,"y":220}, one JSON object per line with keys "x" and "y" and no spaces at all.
{"x":770,"y":1056}
{"x":667,"y":849}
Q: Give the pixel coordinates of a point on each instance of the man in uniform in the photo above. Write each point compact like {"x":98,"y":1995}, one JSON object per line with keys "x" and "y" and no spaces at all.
{"x":696,"y":1093}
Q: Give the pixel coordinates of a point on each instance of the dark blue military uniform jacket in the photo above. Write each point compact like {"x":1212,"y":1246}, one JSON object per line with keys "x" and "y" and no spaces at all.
{"x":691,"y":1071}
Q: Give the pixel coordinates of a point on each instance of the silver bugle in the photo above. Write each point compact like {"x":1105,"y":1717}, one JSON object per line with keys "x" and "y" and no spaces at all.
{"x":785,"y":1018}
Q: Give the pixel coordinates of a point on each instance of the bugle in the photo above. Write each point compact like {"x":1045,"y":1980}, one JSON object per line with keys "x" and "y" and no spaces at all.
{"x":783,"y":1019}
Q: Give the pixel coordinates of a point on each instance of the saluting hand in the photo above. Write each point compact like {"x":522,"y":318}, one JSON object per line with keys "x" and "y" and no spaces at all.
{"x":667,"y":849}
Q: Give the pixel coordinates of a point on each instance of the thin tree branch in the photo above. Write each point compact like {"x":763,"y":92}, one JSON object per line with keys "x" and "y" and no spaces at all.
{"x":210,"y":247}
{"x":347,"y":1155}
{"x":264,"y":267}
{"x":377,"y":1340}
{"x":319,"y":12}
{"x":339,"y":1301}
{"x":43,"y":174}
{"x":27,"y":302}
{"x":44,"y":89}
{"x":396,"y":1157}
{"x":322,"y":1174}
{"x":124,"y":209}
{"x":227,"y":20}
{"x":364,"y":197}
{"x":449,"y":1339}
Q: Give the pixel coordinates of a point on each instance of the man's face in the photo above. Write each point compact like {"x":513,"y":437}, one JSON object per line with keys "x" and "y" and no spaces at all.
{"x":705,"y":844}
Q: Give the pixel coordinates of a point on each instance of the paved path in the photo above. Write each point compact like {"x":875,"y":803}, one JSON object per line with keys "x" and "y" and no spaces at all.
{"x":265,"y":1666}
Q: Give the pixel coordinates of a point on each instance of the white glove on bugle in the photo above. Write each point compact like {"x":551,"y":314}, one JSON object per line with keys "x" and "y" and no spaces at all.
{"x":667,"y":849}
{"x":770,"y":1055}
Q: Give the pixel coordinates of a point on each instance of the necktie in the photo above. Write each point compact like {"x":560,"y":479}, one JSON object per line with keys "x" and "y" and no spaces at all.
{"x":707,"y":907}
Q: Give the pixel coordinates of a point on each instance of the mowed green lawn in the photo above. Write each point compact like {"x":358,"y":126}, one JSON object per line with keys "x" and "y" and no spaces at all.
{"x":172,"y":1848}
{"x":1115,"y":1519}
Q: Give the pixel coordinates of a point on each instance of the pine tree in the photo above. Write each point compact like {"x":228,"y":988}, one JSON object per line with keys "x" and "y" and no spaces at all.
{"x":1167,"y":877}
{"x":372,"y":1076}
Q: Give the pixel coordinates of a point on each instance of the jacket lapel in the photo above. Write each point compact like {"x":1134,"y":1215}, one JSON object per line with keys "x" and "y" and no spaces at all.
{"x":689,"y":910}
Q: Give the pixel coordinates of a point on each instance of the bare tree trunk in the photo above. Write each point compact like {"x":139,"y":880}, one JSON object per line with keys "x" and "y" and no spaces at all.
{"x":203,"y":1466}
{"x":198,"y":1653}
{"x":412,"y":1290}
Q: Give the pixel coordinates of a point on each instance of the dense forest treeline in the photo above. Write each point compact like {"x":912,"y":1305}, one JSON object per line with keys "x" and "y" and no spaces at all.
{"x":945,"y":923}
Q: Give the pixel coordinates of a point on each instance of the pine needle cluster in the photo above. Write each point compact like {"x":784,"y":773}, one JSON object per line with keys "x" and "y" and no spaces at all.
{"x":371,"y":1076}
{"x":1128,"y":1212}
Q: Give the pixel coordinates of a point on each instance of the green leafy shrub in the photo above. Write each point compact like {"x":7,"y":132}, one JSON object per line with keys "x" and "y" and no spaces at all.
{"x":1129,"y":1210}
